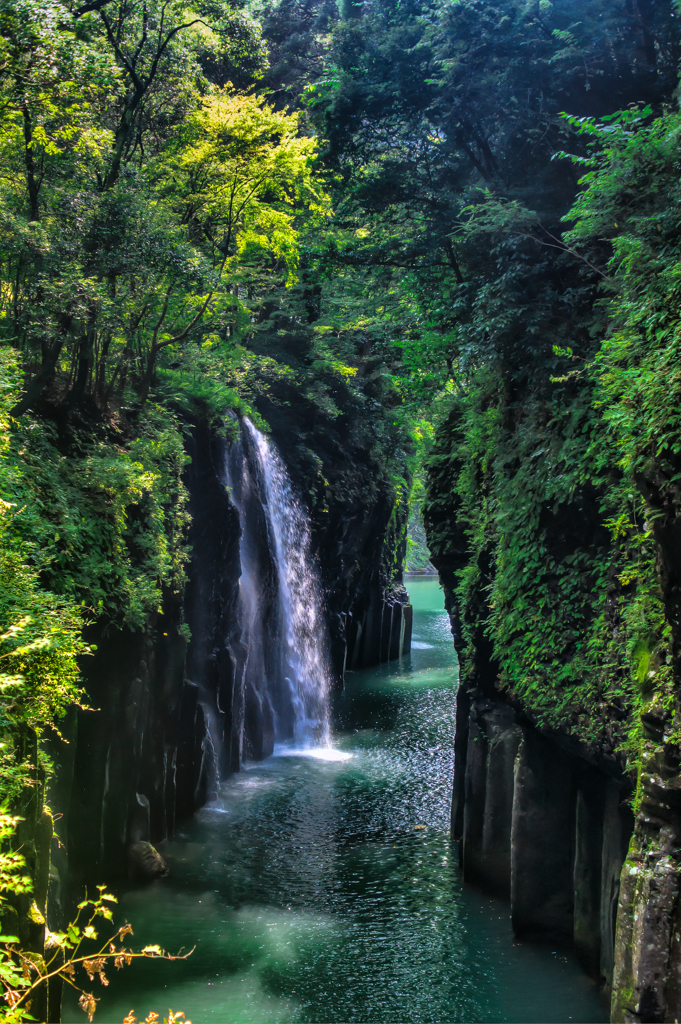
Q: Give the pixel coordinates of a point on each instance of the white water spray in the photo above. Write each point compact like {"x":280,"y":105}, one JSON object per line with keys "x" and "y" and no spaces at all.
{"x":304,"y":658}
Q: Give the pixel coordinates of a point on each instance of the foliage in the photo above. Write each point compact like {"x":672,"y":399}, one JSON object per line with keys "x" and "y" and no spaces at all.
{"x":448,"y":253}
{"x":562,"y":495}
{"x":241,"y":171}
{"x":40,"y":637}
{"x":366,"y":228}
{"x":105,"y":521}
{"x":22,"y":973}
{"x":12,"y":880}
{"x":563,"y":589}
{"x":129,"y":226}
{"x":152,"y":1018}
{"x":159,"y":221}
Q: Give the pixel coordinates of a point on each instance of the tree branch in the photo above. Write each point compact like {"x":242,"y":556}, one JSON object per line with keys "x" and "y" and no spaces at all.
{"x":96,"y":5}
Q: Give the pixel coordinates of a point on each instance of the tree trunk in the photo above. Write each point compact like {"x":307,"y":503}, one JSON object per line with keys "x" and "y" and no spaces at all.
{"x":120,"y":141}
{"x":32,"y":182}
{"x":85,"y":359}
{"x":451,"y":256}
{"x":44,"y":376}
{"x":100,"y":383}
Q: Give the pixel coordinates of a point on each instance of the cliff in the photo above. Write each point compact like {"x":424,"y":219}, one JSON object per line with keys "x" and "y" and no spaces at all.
{"x":567,"y":751}
{"x":166,"y":719}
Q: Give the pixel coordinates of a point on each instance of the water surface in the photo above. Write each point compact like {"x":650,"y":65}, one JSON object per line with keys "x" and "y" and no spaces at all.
{"x":325,"y":888}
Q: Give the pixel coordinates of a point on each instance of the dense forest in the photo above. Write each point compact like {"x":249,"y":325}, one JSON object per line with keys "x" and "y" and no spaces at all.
{"x":434,"y":243}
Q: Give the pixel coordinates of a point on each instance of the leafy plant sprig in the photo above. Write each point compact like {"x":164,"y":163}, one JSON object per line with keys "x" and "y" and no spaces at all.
{"x":22,"y":972}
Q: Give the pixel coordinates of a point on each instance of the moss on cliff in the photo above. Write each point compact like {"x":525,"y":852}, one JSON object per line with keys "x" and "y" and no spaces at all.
{"x":552,"y":506}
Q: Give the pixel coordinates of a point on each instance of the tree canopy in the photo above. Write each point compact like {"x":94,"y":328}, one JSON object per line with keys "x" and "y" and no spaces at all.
{"x":446,"y":231}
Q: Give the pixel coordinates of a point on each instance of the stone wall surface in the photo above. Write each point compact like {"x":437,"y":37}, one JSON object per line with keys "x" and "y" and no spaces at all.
{"x":543,"y":827}
{"x":647,"y":957}
{"x":166,"y":719}
{"x":587,"y":849}
{"x":358,"y":529}
{"x":543,"y":822}
{"x":541,"y":819}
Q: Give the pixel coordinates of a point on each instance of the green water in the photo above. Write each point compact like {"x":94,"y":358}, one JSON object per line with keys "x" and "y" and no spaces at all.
{"x":327,"y":890}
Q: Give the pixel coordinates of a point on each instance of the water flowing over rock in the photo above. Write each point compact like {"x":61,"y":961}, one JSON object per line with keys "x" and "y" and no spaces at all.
{"x":176,"y":717}
{"x":286,"y":671}
{"x":302,"y":642}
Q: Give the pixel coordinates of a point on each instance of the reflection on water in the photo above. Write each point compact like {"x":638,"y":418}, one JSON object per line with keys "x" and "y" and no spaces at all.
{"x":317,"y":753}
{"x":325,"y":888}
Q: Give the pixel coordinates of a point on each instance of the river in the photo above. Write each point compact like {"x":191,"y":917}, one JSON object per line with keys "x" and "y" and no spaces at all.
{"x":325,"y":888}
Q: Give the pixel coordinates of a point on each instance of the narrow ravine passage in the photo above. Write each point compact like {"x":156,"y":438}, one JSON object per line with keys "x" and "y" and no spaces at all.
{"x":326,"y":889}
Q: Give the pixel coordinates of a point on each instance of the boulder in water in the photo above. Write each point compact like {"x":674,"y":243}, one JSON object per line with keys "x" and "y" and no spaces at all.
{"x":146,"y":862}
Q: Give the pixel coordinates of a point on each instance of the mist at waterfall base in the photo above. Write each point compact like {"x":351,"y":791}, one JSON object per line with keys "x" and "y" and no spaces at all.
{"x":328,"y":890}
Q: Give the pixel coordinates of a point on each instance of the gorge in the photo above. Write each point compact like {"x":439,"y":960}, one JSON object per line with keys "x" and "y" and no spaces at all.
{"x":325,"y":887}
{"x":339,"y":510}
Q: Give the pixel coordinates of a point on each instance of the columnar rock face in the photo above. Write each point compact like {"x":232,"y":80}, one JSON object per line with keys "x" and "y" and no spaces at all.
{"x":557,"y":828}
{"x":380,"y":631}
{"x":216,"y":657}
{"x":540,"y":825}
{"x":166,"y":719}
{"x":141,"y":758}
{"x":647,"y":984}
{"x":358,"y":530}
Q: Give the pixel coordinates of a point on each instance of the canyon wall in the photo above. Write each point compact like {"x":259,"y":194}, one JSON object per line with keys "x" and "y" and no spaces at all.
{"x":648,"y":945}
{"x":571,"y":811}
{"x":142,"y":755}
{"x":543,"y":826}
{"x":584,"y":860}
{"x":542,"y":819}
{"x":166,"y":719}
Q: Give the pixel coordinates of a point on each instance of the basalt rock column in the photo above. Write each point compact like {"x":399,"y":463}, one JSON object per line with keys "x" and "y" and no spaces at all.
{"x":540,"y":825}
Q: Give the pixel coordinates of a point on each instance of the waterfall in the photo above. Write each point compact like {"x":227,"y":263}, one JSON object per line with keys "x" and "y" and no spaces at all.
{"x":304,"y":661}
{"x":287,"y":673}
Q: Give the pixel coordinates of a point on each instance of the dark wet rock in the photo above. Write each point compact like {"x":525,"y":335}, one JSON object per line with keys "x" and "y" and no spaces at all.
{"x":543,"y":827}
{"x":543,"y":839}
{"x":380,"y":631}
{"x":647,"y":957}
{"x":169,"y":718}
{"x":146,"y":863}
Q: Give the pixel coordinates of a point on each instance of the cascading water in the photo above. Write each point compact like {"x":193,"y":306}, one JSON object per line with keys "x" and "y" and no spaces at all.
{"x":287,"y":673}
{"x":304,"y":659}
